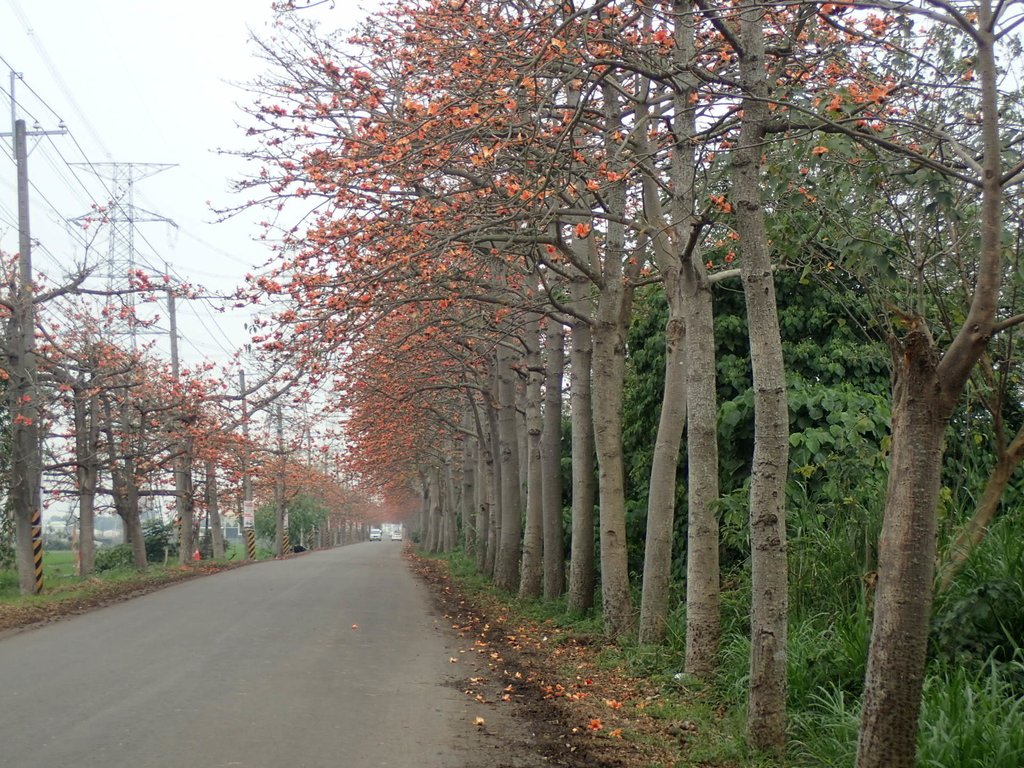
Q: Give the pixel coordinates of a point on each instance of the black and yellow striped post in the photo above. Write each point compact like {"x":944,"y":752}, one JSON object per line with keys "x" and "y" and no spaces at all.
{"x":286,"y":546}
{"x":250,"y":543}
{"x":37,"y":548}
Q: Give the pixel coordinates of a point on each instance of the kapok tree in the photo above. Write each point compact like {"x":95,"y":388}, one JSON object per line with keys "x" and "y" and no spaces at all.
{"x":885,"y":71}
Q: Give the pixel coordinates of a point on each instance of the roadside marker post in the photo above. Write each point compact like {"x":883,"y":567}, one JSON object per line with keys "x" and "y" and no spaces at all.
{"x":37,"y":548}
{"x":249,"y":525}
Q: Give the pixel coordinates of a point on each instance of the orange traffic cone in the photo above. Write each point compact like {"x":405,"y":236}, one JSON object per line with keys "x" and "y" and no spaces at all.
{"x":196,"y":556}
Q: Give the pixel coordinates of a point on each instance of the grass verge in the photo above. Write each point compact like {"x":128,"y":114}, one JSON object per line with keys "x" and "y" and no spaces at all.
{"x":972,"y":713}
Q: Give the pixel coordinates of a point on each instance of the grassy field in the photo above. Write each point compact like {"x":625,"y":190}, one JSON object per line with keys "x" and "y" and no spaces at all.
{"x":59,"y":564}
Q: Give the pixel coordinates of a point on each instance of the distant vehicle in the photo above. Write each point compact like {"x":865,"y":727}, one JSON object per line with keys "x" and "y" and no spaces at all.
{"x":376,"y":534}
{"x":396,"y":535}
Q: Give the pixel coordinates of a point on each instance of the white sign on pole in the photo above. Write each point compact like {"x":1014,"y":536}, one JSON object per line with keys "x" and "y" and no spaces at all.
{"x":248,"y":514}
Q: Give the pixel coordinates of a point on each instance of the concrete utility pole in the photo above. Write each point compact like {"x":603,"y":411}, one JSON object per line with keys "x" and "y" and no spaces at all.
{"x":23,"y":384}
{"x":23,"y":395}
{"x":281,"y":536}
{"x":248,"y":510}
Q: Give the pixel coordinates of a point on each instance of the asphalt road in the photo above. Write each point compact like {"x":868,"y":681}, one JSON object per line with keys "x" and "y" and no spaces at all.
{"x":331,"y":658}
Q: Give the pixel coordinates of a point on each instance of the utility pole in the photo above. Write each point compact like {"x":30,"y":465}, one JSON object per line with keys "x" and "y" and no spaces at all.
{"x":23,"y":394}
{"x":281,"y":535}
{"x":23,"y":385}
{"x":248,"y":511}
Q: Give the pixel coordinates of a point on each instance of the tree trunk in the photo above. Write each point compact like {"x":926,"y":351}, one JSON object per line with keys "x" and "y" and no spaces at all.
{"x":506,"y":569}
{"x":213,"y":509}
{"x":926,"y":389}
{"x":661,"y":500}
{"x":494,"y":534}
{"x":906,"y":557}
{"x":485,"y":484}
{"x":424,"y":513}
{"x":280,"y":506}
{"x":581,"y":559}
{"x":469,"y":486}
{"x":125,"y":486}
{"x":430,"y":533}
{"x":674,"y":241}
{"x":86,"y":524}
{"x":766,"y":715}
{"x":133,"y":532}
{"x":551,"y":463}
{"x":185,"y":500}
{"x":703,"y":612}
{"x":532,"y":577}
{"x":437,"y":509}
{"x":87,"y":473}
{"x":609,"y":358}
{"x":451,"y":532}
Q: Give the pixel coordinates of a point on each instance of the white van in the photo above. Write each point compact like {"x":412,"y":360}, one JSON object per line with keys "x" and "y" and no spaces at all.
{"x":375,"y":534}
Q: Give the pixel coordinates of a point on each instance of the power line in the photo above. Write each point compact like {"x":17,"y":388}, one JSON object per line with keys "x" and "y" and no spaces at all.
{"x":55,"y":74}
{"x":75,"y":229}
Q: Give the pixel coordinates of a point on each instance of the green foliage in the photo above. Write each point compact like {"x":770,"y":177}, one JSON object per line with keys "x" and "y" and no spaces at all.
{"x":304,"y":514}
{"x":161,"y":539}
{"x":114,"y":558}
{"x":56,"y":543}
{"x":7,"y":557}
{"x":837,"y":384}
{"x":986,"y":622}
{"x":981,"y":619}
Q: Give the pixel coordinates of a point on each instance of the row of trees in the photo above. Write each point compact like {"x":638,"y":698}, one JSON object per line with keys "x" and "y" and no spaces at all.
{"x":115,"y":428}
{"x":479,"y":179}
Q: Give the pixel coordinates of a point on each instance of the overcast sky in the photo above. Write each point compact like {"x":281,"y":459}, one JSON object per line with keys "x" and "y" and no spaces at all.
{"x":140,"y":81}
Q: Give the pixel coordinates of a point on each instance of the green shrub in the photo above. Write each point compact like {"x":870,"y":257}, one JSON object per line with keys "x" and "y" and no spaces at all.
{"x":160,"y":538}
{"x":114,"y":558}
{"x":987,"y":622}
{"x":7,"y":558}
{"x":982,"y":616}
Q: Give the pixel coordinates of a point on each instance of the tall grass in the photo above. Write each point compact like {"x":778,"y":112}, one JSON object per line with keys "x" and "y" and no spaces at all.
{"x":9,"y":584}
{"x":972,"y":713}
{"x":973,"y":720}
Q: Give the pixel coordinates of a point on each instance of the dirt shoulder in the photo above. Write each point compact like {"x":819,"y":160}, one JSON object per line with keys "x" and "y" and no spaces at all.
{"x":569,"y":709}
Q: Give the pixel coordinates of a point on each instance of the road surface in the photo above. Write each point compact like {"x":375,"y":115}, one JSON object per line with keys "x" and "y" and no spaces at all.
{"x":331,"y":658}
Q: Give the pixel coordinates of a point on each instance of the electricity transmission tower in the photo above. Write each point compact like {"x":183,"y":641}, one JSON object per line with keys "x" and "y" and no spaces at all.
{"x":122,"y":218}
